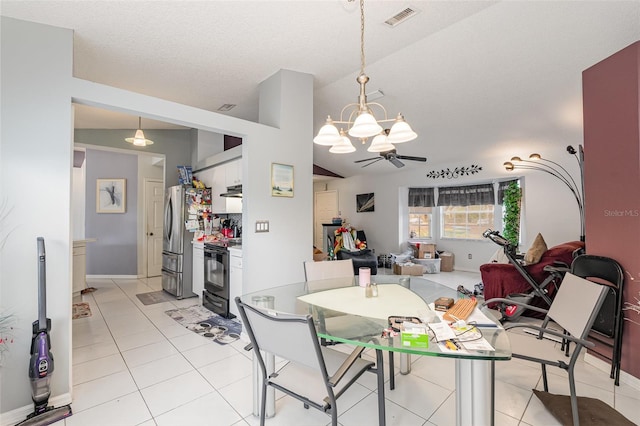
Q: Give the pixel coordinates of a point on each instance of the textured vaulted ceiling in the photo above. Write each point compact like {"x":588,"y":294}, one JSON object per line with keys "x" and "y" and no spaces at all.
{"x":472,"y":77}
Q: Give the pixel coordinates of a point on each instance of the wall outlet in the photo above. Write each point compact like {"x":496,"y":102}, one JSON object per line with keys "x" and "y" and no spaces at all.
{"x":470,"y":256}
{"x":262,"y":226}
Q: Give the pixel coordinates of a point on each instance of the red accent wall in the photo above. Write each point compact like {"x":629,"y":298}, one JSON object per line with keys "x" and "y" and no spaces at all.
{"x":611,"y":102}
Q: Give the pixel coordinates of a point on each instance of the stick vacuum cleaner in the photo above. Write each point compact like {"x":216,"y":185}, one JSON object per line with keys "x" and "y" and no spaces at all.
{"x":41,"y":363}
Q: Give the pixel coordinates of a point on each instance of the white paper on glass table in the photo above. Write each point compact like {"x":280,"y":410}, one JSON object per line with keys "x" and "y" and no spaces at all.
{"x":392,"y":299}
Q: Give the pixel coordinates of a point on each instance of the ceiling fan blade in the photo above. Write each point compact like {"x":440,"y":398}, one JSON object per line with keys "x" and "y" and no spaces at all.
{"x":408,"y":157}
{"x":367,"y":159}
{"x":394,"y":160}
{"x":374,"y":161}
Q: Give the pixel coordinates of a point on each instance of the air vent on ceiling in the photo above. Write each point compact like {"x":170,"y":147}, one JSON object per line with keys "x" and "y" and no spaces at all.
{"x":227,"y":107}
{"x":400,"y":17}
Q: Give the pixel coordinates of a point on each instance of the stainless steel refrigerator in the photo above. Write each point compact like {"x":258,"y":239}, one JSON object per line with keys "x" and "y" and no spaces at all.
{"x":177,"y":263}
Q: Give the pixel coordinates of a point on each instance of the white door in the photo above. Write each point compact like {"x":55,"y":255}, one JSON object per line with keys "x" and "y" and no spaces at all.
{"x":325,"y":207}
{"x":154,"y":204}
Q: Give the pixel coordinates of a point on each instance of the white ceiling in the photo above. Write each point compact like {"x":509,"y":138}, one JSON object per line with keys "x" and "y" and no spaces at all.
{"x":473,"y":78}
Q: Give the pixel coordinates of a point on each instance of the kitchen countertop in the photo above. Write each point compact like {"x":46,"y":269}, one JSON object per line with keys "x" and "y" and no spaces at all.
{"x":231,"y":244}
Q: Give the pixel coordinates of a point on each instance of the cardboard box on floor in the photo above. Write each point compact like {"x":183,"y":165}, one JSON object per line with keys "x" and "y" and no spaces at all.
{"x":425,"y":251}
{"x":446,"y":262}
{"x":415,"y":270}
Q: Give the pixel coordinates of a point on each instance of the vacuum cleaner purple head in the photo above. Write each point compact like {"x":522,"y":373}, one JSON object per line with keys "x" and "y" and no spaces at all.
{"x":41,"y":362}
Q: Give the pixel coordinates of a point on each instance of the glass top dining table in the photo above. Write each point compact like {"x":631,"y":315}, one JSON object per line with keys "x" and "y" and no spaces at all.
{"x":362,"y":320}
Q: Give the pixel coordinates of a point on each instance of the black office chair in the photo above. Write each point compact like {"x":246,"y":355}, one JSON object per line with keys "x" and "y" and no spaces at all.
{"x":609,"y":321}
{"x":314,"y":374}
{"x":361,"y":258}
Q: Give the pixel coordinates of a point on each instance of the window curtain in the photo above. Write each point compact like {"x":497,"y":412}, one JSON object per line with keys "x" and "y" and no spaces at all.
{"x":502,"y":186}
{"x":472,"y":195}
{"x":421,"y":197}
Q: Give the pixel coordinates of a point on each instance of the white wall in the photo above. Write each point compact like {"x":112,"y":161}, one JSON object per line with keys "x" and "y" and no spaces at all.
{"x":286,"y":101}
{"x":549,"y":207}
{"x":35,"y":170}
{"x":78,"y":200}
{"x":38,"y":87}
{"x":208,"y":144}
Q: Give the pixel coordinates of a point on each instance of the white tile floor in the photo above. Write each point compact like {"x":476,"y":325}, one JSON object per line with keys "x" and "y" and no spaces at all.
{"x":133,"y":365}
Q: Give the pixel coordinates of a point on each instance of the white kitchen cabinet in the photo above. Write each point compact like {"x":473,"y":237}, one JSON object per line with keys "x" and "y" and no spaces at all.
{"x":219,"y":178}
{"x":233,"y":173}
{"x":198,"y":268}
{"x":218,"y":186}
{"x":235,"y":278}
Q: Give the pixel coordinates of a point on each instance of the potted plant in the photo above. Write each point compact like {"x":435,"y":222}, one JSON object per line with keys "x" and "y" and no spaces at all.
{"x":511,"y":218}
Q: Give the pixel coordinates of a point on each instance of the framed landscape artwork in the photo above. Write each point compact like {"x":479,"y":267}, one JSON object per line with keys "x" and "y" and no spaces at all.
{"x":365,"y":203}
{"x":281,"y":180}
{"x":111,"y":195}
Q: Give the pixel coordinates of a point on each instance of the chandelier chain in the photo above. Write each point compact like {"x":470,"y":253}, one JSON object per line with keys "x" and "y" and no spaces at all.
{"x":362,"y":62}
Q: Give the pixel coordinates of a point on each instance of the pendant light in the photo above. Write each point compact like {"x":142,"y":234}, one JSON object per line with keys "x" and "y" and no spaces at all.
{"x":361,"y":122}
{"x":139,"y":139}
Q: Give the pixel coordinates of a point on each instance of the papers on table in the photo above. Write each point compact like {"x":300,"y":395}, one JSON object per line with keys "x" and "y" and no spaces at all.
{"x":442,"y":331}
{"x":462,"y":339}
{"x":477,"y":345}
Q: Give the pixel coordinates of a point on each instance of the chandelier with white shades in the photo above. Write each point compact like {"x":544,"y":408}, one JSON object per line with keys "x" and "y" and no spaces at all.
{"x":365,"y":124}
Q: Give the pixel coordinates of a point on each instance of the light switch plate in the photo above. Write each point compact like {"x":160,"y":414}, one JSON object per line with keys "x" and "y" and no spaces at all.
{"x":262,"y":226}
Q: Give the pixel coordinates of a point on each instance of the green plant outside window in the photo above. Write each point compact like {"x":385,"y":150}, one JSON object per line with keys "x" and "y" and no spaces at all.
{"x":511,"y":217}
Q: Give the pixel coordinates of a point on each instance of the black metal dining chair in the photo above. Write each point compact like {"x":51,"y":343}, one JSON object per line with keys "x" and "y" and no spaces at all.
{"x":609,"y":322}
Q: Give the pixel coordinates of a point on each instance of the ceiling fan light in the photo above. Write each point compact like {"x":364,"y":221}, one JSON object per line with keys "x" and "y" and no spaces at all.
{"x":401,"y":131}
{"x":365,"y":126}
{"x":380,"y":144}
{"x":344,"y":146}
{"x":328,"y":134}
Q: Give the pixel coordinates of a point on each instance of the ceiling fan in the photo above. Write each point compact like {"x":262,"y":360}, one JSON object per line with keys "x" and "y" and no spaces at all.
{"x":393,"y":157}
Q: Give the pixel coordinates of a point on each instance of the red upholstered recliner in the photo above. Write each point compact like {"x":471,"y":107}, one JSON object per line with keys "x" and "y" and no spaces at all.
{"x":502,"y":279}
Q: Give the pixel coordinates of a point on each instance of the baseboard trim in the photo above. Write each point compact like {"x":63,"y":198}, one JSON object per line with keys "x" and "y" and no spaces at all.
{"x":604,"y":366}
{"x":19,"y":414}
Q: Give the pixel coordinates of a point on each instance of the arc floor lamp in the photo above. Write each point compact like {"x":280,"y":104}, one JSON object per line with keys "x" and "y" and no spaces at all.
{"x":537,"y":162}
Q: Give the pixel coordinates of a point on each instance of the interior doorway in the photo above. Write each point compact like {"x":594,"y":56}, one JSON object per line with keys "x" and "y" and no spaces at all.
{"x":325,"y":208}
{"x":154,"y":204}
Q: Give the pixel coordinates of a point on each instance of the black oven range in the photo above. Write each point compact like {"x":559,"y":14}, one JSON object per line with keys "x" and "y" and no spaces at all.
{"x":215,"y":296}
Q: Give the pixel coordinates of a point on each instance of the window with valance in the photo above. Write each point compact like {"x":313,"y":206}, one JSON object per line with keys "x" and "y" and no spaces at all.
{"x":471,"y":195}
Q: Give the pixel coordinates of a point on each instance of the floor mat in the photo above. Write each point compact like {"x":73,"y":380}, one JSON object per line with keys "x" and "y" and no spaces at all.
{"x":80,"y":310}
{"x":155,"y":297}
{"x":592,"y":411}
{"x":212,"y":326}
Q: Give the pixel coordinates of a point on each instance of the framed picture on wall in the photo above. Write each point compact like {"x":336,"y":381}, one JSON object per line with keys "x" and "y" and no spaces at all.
{"x":111,"y":195}
{"x":365,"y":203}
{"x":281,"y":180}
